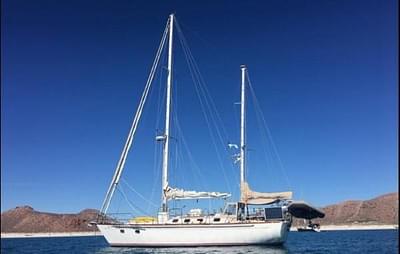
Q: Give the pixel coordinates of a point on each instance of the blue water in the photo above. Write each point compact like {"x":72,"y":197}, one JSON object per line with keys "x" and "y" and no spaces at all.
{"x":374,"y":241}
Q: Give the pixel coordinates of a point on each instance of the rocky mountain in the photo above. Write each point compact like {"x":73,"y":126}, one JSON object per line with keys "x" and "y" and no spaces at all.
{"x":380,"y":210}
{"x":25,"y":219}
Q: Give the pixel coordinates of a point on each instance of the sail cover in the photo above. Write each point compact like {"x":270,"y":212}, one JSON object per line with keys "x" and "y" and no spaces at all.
{"x":174,"y":193}
{"x":261,"y":198}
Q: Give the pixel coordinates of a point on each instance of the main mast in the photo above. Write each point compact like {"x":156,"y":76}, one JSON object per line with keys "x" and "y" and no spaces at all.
{"x":167,"y":117}
{"x":243,"y":127}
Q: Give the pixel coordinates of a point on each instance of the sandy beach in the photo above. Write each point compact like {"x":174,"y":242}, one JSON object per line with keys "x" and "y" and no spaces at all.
{"x":353,"y":227}
{"x":58,"y":234}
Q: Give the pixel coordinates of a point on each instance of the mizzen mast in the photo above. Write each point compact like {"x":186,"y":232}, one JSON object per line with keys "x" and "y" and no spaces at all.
{"x":243,"y":127}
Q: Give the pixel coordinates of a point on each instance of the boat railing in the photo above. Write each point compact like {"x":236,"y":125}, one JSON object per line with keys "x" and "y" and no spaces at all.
{"x":176,"y":211}
{"x":206,"y":217}
{"x":114,"y":218}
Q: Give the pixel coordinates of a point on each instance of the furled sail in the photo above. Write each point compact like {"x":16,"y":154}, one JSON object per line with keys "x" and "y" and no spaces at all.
{"x":174,"y":193}
{"x":260,"y":198}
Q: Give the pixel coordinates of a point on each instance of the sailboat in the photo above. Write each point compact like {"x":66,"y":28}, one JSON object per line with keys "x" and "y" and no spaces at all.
{"x":235,"y":225}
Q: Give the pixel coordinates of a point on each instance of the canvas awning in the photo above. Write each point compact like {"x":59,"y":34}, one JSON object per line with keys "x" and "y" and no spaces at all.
{"x":261,"y":198}
{"x":301,"y":209}
{"x":174,"y":193}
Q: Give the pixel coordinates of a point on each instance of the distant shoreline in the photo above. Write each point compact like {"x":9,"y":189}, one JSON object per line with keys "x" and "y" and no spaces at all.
{"x":353,"y":227}
{"x":97,"y":233}
{"x":54,"y":234}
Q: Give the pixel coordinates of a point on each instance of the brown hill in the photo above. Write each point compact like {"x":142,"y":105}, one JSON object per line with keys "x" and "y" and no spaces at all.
{"x":380,"y":210}
{"x":25,"y":219}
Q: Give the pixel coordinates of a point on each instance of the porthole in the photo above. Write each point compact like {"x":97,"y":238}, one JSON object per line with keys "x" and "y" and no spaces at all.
{"x":137,"y":231}
{"x":186,"y":220}
{"x":122,"y":231}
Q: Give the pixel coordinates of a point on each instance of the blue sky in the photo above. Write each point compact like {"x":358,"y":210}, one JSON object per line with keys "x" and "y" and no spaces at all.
{"x":325,"y":74}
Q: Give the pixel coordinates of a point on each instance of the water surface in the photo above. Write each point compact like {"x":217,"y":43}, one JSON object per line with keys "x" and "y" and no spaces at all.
{"x":357,"y":241}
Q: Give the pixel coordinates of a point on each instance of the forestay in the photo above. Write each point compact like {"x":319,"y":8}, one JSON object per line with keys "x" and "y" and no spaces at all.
{"x":261,"y":198}
{"x":174,"y":193}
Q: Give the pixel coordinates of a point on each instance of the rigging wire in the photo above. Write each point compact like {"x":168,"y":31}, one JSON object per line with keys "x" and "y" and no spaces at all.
{"x":137,"y":193}
{"x":174,"y":103}
{"x":206,"y":103}
{"x":128,"y":143}
{"x":211,"y":115}
{"x":268,"y":132}
{"x":160,"y":102}
{"x":180,"y":134}
{"x":132,"y":206}
{"x":190,"y":155}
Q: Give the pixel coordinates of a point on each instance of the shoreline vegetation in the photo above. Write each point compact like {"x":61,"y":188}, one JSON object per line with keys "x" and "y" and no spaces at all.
{"x":97,"y":233}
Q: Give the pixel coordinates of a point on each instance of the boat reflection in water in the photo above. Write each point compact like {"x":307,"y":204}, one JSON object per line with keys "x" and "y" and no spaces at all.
{"x":209,"y":250}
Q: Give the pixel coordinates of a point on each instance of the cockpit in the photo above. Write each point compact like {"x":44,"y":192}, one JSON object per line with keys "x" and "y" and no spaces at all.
{"x":268,"y":212}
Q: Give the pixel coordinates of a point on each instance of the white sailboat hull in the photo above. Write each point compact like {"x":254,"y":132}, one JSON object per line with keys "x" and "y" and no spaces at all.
{"x":268,"y":233}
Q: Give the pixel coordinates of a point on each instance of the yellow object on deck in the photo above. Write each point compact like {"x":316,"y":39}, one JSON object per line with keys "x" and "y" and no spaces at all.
{"x":142,"y":219}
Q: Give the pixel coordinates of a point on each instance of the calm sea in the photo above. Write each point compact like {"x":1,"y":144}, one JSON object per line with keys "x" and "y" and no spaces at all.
{"x":374,"y":241}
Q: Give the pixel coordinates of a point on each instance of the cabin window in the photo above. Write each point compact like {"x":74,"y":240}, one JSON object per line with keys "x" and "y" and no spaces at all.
{"x":272,"y":213}
{"x":122,"y":231}
{"x":200,"y":220}
{"x":186,"y":220}
{"x":230,"y":209}
{"x":217,"y":219}
{"x":175,"y":220}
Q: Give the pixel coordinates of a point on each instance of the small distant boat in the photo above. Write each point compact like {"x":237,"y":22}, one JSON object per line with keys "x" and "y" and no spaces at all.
{"x":301,"y":209}
{"x":310,"y":227}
